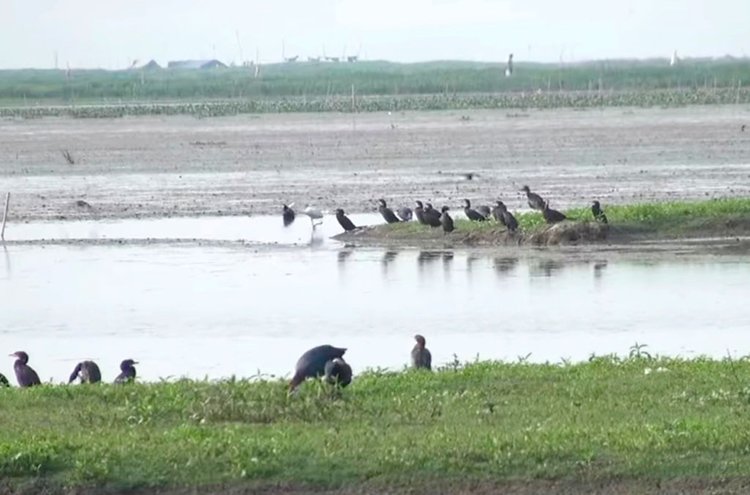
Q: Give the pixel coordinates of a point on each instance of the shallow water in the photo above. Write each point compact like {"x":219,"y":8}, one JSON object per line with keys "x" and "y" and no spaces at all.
{"x":220,"y":311}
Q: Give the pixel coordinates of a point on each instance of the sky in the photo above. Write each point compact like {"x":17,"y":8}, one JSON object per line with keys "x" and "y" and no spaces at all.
{"x":112,"y":34}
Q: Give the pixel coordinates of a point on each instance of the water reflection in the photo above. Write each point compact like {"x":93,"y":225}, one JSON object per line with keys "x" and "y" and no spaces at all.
{"x":387,"y":260}
{"x":545,"y":268}
{"x":504,"y":266}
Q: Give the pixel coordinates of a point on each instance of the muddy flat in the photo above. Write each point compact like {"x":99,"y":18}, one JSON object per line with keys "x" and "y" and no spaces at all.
{"x":184,"y":166}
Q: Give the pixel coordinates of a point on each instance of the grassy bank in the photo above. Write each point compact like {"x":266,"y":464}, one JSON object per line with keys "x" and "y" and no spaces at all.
{"x":377,"y":86}
{"x":606,"y":419}
{"x":645,"y":221}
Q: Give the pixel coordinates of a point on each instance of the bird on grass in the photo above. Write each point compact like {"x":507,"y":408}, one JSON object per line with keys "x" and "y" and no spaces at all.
{"x":431,"y":216}
{"x":420,"y":355}
{"x":550,"y":215}
{"x":387,"y":213}
{"x":419,"y":212}
{"x":598,"y":213}
{"x":471,"y":213}
{"x":446,"y":221}
{"x":288,"y":215}
{"x":313,"y":363}
{"x":87,"y":372}
{"x":344,"y":221}
{"x":535,"y":201}
{"x":25,"y":374}
{"x":404,"y":213}
{"x":127,"y":371}
{"x":501,"y":214}
{"x":338,"y":372}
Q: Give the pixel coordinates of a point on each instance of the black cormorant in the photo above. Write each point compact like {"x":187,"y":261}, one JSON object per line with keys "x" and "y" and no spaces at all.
{"x":87,"y":371}
{"x":535,"y":201}
{"x":599,"y":215}
{"x":127,"y":371}
{"x":502,"y":215}
{"x":25,"y":374}
{"x":446,"y":221}
{"x":431,"y":216}
{"x":288,"y":215}
{"x":485,"y":211}
{"x":387,"y":213}
{"x":344,"y":221}
{"x":404,"y":213}
{"x":550,"y":215}
{"x":420,"y":356}
{"x":419,"y":213}
{"x":471,"y":213}
{"x":313,"y":362}
{"x":338,"y":372}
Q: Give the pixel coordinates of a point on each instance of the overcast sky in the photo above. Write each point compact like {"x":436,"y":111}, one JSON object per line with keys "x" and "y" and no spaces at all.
{"x":113,"y":33}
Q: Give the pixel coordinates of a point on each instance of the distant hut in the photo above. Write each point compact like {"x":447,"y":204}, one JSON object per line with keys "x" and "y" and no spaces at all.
{"x":196,"y":64}
{"x":151,"y":65}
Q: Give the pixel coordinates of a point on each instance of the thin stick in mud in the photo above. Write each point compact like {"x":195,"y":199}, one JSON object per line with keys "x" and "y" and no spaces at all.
{"x":5,"y":216}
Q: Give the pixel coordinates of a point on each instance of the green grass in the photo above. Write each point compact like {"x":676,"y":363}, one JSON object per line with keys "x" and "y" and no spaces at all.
{"x":672,"y":218}
{"x":603,"y":419}
{"x":377,"y":85}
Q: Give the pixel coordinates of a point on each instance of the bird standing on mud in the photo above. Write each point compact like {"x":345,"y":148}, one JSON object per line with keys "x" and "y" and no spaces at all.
{"x":502,"y":215}
{"x":387,"y":213}
{"x":535,"y":201}
{"x":338,"y":372}
{"x":471,"y":213}
{"x":25,"y":374}
{"x":431,"y":216}
{"x":127,"y":371}
{"x":313,"y":363}
{"x":420,"y":355}
{"x":344,"y":221}
{"x":288,"y":215}
{"x":446,"y":221}
{"x":87,"y":371}
{"x":599,"y":215}
{"x":550,"y":215}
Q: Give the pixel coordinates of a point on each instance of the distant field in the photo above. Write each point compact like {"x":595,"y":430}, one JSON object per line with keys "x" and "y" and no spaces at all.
{"x":369,"y":78}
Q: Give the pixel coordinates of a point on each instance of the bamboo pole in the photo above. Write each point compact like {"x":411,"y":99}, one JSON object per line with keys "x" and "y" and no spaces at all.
{"x":5,"y":216}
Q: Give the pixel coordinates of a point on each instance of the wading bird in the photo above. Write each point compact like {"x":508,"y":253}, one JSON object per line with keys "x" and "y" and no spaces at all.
{"x":446,"y":221}
{"x":25,"y":374}
{"x":127,"y":371}
{"x":338,"y":372}
{"x":598,"y":213}
{"x":420,"y":355}
{"x":535,"y":201}
{"x":387,"y":213}
{"x":344,"y":221}
{"x":550,"y":215}
{"x":404,"y":213}
{"x":471,"y":213}
{"x":288,"y":215}
{"x":313,"y":362}
{"x":314,"y":214}
{"x":87,"y":371}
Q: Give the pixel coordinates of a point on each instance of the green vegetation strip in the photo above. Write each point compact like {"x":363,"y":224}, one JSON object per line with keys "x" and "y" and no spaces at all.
{"x":666,"y":218}
{"x":603,"y":419}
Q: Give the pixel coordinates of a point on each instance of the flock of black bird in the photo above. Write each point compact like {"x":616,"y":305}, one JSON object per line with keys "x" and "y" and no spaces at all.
{"x":426,"y":214}
{"x":322,"y":361}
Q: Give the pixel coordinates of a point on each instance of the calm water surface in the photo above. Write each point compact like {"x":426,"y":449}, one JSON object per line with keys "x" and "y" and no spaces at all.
{"x":185,"y":310}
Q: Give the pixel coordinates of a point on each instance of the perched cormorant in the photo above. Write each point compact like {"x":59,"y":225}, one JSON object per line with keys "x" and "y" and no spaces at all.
{"x":431,"y":216}
{"x":502,"y":215}
{"x":387,"y":213}
{"x":338,"y":372}
{"x":313,"y":362}
{"x":471,"y":213}
{"x":404,"y":213}
{"x":599,"y":215}
{"x":420,"y":356}
{"x":419,"y":213}
{"x":485,"y":211}
{"x":87,"y":371}
{"x":127,"y":371}
{"x":535,"y":201}
{"x":446,"y":221}
{"x":344,"y":221}
{"x":288,"y":215}
{"x":25,"y":374}
{"x":4,"y":381}
{"x":550,"y":215}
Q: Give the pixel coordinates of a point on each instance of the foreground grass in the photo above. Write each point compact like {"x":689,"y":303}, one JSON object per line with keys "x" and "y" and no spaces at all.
{"x":603,"y":419}
{"x":666,"y":219}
